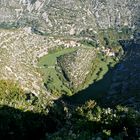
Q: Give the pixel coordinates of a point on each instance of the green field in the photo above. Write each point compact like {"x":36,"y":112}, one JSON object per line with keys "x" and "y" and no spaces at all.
{"x":55,"y":84}
{"x":50,"y":75}
{"x":99,"y":82}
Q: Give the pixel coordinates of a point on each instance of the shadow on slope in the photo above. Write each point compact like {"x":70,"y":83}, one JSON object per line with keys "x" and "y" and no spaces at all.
{"x":18,"y":125}
{"x":95,"y":91}
{"x":124,"y":78}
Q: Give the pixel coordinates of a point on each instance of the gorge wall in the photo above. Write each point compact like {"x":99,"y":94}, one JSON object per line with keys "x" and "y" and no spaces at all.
{"x":20,"y":48}
{"x":71,"y":17}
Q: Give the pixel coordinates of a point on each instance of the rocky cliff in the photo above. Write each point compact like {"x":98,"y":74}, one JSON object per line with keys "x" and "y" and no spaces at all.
{"x":69,"y":17}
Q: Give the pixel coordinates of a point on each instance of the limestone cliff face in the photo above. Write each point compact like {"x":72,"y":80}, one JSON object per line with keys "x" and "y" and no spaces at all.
{"x":69,"y":16}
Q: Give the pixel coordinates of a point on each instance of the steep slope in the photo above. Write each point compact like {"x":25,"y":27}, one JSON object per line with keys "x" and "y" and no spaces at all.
{"x":68,"y":17}
{"x":18,"y":56}
{"x":20,"y":51}
{"x":125,"y":87}
{"x":77,"y":65}
{"x":58,"y":21}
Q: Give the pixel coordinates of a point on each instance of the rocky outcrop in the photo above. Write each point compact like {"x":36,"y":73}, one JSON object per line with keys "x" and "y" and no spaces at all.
{"x":18,"y":57}
{"x":68,"y":17}
{"x":77,"y":65}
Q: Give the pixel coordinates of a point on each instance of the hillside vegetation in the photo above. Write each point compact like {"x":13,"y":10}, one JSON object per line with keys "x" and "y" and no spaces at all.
{"x":24,"y":116}
{"x":69,"y":70}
